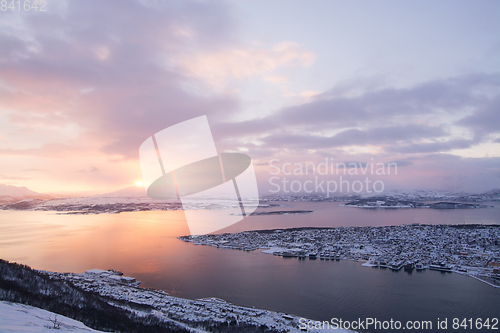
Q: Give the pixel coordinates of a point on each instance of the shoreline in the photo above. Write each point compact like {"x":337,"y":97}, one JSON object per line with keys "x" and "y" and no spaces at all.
{"x":122,"y":295}
{"x":477,"y":278}
{"x":447,"y":247}
{"x":366,"y":264}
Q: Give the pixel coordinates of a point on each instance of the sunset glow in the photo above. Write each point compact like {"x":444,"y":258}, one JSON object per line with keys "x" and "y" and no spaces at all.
{"x":249,"y":165}
{"x":339,"y":82}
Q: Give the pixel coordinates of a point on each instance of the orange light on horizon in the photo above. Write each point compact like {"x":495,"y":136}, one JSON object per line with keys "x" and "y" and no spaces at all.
{"x":139,"y":183}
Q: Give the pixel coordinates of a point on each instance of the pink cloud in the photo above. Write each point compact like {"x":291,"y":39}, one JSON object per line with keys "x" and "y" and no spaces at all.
{"x":243,"y":62}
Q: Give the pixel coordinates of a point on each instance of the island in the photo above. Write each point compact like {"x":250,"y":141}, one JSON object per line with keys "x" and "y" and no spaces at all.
{"x":473,"y":250}
{"x":283,"y":212}
{"x":394,"y":203}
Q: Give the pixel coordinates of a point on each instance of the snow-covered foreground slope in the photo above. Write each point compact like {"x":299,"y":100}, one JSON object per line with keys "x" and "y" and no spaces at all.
{"x":15,"y":317}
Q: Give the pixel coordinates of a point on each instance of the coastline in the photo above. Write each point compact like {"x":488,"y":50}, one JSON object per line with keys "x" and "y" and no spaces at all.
{"x":393,"y":247}
{"x":319,"y":211}
{"x":366,"y":263}
{"x":477,"y":278}
{"x":124,"y":295}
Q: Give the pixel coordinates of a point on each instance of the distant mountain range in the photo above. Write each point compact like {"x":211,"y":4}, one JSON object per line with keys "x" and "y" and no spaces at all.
{"x":9,"y":193}
{"x":128,"y":192}
{"x":412,"y":195}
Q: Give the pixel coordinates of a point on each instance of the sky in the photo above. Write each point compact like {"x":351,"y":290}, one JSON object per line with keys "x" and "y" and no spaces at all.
{"x":416,"y":83}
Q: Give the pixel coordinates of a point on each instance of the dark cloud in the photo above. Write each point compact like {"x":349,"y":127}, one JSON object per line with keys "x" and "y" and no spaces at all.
{"x":485,"y":120}
{"x":431,"y":147}
{"x":401,"y":163}
{"x":383,"y":117}
{"x":374,"y":136}
{"x":382,"y":106}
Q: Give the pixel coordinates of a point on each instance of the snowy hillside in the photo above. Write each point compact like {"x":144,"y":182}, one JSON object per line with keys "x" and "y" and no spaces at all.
{"x":111,"y":302}
{"x":15,"y":317}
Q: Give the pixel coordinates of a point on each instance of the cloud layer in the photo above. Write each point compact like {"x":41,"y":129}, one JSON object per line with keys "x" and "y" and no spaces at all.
{"x":84,"y":84}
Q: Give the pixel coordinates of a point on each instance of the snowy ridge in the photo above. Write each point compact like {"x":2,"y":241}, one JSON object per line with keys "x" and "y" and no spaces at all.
{"x":415,"y":195}
{"x":111,"y":205}
{"x":191,"y":315}
{"x":110,"y":301}
{"x":15,"y":317}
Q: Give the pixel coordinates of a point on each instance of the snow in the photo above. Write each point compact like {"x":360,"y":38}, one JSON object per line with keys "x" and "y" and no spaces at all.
{"x":22,"y":318}
{"x":96,"y":271}
{"x":183,"y":312}
{"x":275,"y":249}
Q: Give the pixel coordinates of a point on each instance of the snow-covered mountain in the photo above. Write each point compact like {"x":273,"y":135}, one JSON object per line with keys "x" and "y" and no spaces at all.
{"x":128,"y":192}
{"x":422,"y":194}
{"x":9,"y":193}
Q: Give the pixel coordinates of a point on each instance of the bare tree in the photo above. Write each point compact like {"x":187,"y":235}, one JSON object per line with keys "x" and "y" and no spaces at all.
{"x":56,"y":324}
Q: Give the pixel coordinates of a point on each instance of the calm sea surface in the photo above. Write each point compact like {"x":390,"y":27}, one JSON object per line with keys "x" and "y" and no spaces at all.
{"x":145,"y":245}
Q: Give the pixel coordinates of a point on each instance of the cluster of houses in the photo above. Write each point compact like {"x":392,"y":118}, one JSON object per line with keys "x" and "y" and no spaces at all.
{"x":470,"y":249}
{"x":190,"y":314}
{"x":109,"y":276}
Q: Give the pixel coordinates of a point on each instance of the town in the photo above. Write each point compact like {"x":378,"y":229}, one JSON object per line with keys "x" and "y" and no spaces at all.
{"x":473,"y":250}
{"x":207,"y":314}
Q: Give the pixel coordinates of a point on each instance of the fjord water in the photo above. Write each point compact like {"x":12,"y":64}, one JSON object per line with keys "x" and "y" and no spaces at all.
{"x":145,"y":245}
